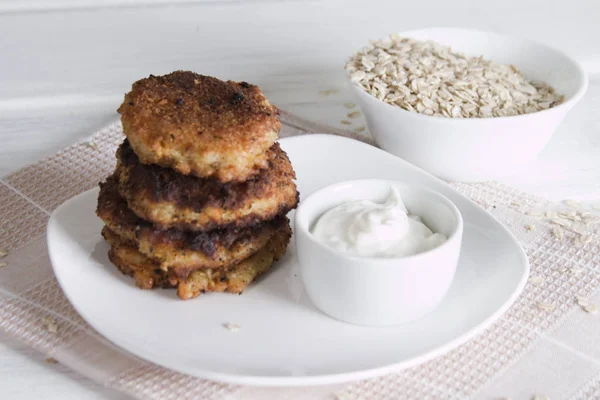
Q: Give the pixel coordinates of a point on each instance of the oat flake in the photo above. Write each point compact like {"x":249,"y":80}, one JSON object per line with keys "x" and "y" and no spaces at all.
{"x":536,"y":280}
{"x":586,"y":239}
{"x":232,"y":327}
{"x":591,"y":309}
{"x":557,"y":233}
{"x":50,"y":325}
{"x":431,"y":79}
{"x":545,"y":306}
{"x":571,"y":203}
{"x":535,"y":214}
{"x":575,"y":271}
{"x":328,"y":92}
{"x":559,"y":222}
{"x":92,"y":145}
{"x":551,"y":214}
{"x":582,"y":301}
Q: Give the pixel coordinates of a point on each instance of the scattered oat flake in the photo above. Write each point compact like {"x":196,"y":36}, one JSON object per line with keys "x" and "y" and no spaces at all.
{"x":361,"y":128}
{"x":340,"y":397}
{"x":570,"y":270}
{"x":582,"y":301}
{"x":345,"y":122}
{"x":3,"y":264}
{"x":92,"y":145}
{"x":50,"y":324}
{"x":557,"y":221}
{"x":575,"y":271}
{"x":536,"y":214}
{"x":516,"y":204}
{"x":3,"y":252}
{"x":232,"y":327}
{"x":536,"y":280}
{"x":328,"y":92}
{"x":51,"y":360}
{"x":557,"y":233}
{"x":349,"y":105}
{"x":529,"y":227}
{"x":545,"y":306}
{"x":571,"y":203}
{"x":585,"y":239}
{"x":354,"y":114}
{"x":590,"y":309}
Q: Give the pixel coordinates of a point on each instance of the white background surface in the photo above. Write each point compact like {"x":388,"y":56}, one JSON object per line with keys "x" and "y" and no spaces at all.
{"x":65,"y":65}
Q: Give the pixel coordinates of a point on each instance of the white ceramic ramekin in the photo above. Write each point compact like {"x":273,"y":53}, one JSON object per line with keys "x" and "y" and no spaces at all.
{"x":377,"y":291}
{"x":475,"y":149}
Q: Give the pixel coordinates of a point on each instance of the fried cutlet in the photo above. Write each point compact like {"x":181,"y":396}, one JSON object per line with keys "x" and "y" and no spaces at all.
{"x":171,"y":200}
{"x":200,"y":125}
{"x":147,"y":273}
{"x":182,"y":249}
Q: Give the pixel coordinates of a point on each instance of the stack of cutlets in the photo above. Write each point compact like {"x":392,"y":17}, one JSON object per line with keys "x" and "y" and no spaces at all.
{"x":199,"y":197}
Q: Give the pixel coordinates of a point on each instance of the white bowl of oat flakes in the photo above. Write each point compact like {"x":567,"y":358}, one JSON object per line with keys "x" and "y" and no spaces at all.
{"x":434,"y":98}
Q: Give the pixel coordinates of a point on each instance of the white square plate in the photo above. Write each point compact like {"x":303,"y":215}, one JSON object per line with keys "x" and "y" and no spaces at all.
{"x":284,"y":339}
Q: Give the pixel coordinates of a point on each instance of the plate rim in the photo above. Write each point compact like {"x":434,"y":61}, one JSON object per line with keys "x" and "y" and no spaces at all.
{"x":310,"y":380}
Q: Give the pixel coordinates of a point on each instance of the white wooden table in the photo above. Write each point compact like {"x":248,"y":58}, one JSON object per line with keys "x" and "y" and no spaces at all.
{"x":65,"y":65}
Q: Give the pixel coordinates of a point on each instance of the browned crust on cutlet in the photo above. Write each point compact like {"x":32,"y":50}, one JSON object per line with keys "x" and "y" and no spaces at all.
{"x":182,"y":249}
{"x":125,"y":256}
{"x":171,"y":200}
{"x":148,"y":275}
{"x":200,"y":125}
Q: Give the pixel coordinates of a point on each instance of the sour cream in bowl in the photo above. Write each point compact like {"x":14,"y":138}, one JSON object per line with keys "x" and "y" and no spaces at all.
{"x":377,"y":252}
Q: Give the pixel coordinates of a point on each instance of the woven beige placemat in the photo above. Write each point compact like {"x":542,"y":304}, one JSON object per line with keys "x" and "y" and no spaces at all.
{"x":560,"y":242}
